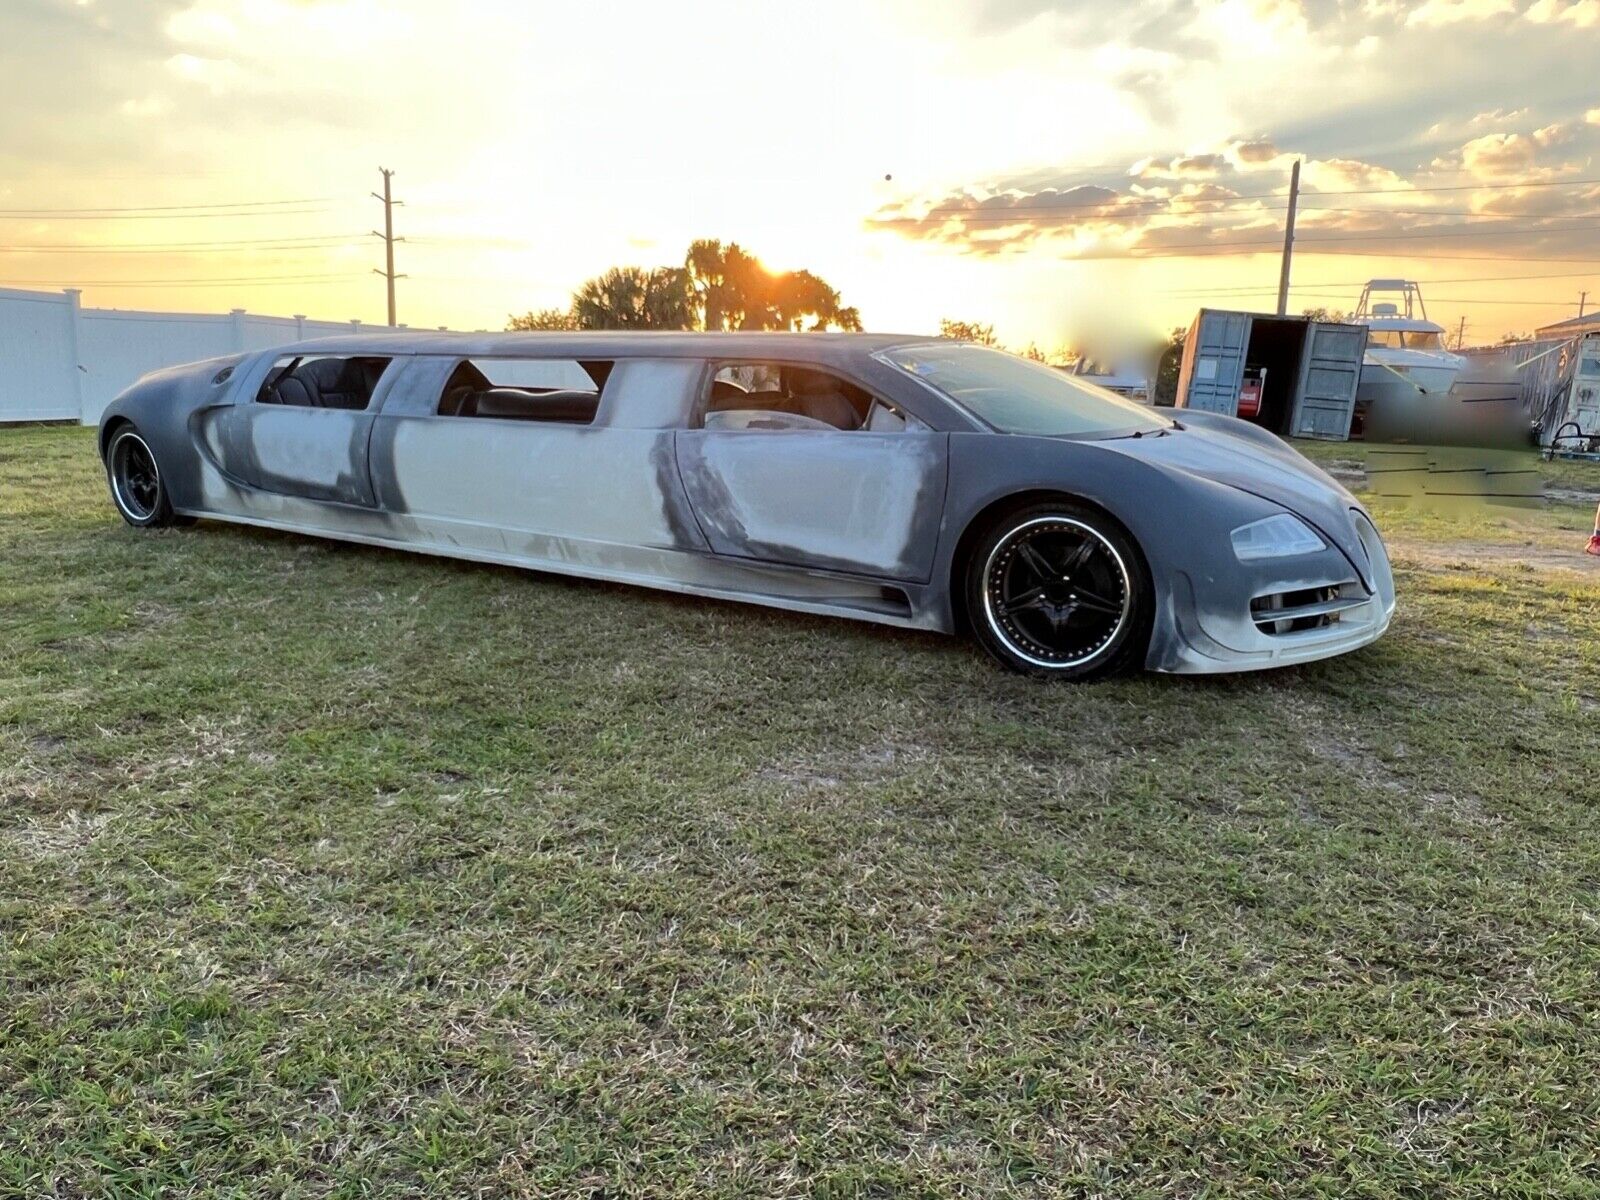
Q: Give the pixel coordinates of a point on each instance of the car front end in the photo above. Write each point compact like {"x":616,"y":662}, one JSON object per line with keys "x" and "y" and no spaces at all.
{"x":1276,"y":610}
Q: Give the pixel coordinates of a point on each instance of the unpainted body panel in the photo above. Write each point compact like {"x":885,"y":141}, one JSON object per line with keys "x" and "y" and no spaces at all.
{"x":313,"y":453}
{"x":488,"y":483}
{"x":863,"y":502}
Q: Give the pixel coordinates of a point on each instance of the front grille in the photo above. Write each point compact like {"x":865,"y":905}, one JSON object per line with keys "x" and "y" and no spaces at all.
{"x":1278,"y":613}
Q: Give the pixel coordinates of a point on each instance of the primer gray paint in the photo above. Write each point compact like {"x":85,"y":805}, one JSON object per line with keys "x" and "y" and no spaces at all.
{"x":866,"y":525}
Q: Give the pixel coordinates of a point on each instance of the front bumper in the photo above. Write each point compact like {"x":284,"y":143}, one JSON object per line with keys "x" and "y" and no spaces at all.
{"x":1208,"y":626}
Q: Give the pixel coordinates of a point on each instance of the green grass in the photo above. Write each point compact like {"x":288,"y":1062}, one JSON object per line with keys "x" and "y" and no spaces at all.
{"x":332,"y":871}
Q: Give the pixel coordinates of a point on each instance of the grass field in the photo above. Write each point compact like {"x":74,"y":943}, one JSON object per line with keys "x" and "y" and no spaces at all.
{"x":332,"y":871}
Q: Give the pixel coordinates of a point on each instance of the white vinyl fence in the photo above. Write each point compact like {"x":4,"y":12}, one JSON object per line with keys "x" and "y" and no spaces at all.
{"x":60,"y":361}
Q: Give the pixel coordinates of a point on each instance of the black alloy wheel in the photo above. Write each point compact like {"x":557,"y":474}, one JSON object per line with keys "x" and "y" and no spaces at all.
{"x":1059,"y":590}
{"x":137,"y":487}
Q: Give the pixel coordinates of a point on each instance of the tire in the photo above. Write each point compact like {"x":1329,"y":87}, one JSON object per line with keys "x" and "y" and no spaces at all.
{"x":138,"y":488}
{"x":1059,"y":590}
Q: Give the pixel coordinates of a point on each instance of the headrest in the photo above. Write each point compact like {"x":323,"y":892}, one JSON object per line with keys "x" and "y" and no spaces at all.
{"x":326,"y":373}
{"x":803,"y":382}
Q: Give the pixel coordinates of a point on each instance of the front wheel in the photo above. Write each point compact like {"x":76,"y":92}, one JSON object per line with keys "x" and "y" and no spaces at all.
{"x":1060,"y":591}
{"x":137,"y":487}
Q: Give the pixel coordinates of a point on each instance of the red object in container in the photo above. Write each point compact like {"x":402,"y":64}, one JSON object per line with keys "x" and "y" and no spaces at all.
{"x":1594,"y":539}
{"x":1250,"y":388}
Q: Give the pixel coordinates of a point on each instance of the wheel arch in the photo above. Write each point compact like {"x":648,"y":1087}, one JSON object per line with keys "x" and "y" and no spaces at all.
{"x":108,"y":431}
{"x":995,"y":511}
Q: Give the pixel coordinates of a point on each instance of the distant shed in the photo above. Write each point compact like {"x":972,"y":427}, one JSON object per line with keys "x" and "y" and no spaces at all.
{"x":1570,"y":328}
{"x":1303,"y":373}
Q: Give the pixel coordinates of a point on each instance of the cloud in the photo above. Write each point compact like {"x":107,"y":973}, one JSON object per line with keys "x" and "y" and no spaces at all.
{"x":1435,"y":13}
{"x":1261,"y":150}
{"x":1203,"y":165}
{"x":1170,"y":204}
{"x":1495,"y":116}
{"x":1541,"y":202}
{"x":1580,"y":13}
{"x":1339,"y":174}
{"x":1499,"y":154}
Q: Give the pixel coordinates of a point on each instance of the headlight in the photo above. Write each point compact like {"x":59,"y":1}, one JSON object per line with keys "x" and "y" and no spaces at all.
{"x":1281,"y":536}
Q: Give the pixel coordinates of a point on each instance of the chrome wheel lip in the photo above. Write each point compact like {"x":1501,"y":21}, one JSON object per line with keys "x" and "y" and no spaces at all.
{"x":121,"y":490}
{"x":998,"y":628}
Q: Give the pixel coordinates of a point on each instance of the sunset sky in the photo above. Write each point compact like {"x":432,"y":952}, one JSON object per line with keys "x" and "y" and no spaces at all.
{"x":1036,"y":165}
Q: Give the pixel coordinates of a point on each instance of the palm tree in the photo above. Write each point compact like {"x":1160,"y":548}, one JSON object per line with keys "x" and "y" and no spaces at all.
{"x":706,"y":264}
{"x":635,"y":298}
{"x":720,"y":286}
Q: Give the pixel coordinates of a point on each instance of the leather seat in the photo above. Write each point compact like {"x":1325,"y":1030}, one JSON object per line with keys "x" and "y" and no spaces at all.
{"x":817,"y":395}
{"x":336,"y":382}
{"x":518,"y":405}
{"x":293,"y":390}
{"x":726,"y":395}
{"x":329,"y":383}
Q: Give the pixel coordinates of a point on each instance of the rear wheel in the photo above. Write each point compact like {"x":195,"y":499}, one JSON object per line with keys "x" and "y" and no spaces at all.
{"x":1060,"y":591}
{"x":137,"y":486}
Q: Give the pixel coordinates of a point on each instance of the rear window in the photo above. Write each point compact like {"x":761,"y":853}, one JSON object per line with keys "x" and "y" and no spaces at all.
{"x":1017,"y":395}
{"x":525,"y":389}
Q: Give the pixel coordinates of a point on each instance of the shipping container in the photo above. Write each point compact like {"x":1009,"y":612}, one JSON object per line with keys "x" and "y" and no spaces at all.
{"x":1308,"y":369}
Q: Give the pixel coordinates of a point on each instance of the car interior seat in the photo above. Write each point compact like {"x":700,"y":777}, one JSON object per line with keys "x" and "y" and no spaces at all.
{"x":820,"y":396}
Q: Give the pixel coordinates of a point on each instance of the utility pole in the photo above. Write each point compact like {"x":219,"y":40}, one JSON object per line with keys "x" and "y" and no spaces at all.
{"x":389,"y":239}
{"x":1461,"y":332}
{"x":1583,"y":299}
{"x":1288,"y":238}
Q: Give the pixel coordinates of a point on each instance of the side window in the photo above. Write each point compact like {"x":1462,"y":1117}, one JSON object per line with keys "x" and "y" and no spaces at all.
{"x":773,"y":396}
{"x":525,"y":389}
{"x":322,"y":381}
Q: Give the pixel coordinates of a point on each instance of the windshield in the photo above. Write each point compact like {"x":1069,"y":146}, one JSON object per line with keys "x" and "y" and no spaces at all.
{"x":1016,"y":395}
{"x":1409,"y":339}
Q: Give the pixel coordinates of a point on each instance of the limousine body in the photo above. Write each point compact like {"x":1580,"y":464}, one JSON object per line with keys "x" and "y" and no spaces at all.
{"x":916,"y":482}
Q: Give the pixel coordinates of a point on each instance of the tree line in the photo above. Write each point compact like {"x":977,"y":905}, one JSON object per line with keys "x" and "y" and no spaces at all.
{"x":719,"y":287}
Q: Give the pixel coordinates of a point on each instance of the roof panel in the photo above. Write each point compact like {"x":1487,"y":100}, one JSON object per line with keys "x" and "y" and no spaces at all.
{"x":608,"y":344}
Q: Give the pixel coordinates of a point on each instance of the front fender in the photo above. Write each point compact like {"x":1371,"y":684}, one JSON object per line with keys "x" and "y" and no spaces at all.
{"x":161,"y":405}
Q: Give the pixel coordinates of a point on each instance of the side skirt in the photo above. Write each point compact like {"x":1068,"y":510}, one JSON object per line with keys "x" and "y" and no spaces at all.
{"x":818,"y":593}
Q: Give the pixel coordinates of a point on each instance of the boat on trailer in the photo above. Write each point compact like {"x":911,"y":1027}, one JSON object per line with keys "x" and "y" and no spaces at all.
{"x":1406,"y":355}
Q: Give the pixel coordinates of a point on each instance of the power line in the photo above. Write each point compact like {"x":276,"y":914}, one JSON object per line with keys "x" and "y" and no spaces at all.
{"x":1199,"y":249}
{"x":1438,"y":300}
{"x":1521,"y":258}
{"x":160,"y":216}
{"x":1327,"y":283}
{"x":1133,"y":198}
{"x":189,"y":247}
{"x":1414,"y":234}
{"x":1112,"y":215}
{"x":165,"y":207}
{"x":209,"y":280}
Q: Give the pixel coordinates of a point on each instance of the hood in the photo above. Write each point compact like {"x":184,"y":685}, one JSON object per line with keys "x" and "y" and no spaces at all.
{"x":1254,"y":461}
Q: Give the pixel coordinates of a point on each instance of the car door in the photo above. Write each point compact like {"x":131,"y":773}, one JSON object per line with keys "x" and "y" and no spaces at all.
{"x":304,"y":433}
{"x":513,"y":466}
{"x":866,"y":501}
